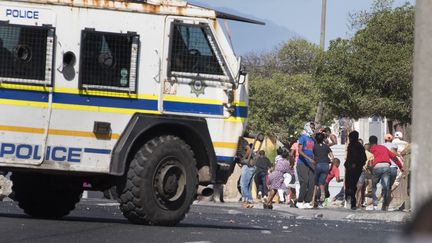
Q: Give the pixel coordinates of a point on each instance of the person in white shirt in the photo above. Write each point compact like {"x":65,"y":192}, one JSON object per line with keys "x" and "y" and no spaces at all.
{"x":401,"y":144}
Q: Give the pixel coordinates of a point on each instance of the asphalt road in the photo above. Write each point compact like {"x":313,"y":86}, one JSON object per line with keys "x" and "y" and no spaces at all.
{"x":101,"y":221}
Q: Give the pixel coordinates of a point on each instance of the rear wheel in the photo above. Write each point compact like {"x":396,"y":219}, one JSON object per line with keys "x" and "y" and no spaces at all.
{"x":46,"y":196}
{"x":161,"y":182}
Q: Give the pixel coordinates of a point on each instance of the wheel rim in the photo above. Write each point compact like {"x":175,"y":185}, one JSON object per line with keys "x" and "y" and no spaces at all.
{"x":170,"y":183}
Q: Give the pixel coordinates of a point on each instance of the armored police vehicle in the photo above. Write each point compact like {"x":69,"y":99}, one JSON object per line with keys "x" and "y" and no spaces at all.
{"x":146,"y":96}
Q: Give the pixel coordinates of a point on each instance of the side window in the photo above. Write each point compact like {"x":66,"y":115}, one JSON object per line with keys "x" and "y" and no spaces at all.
{"x":109,"y":61}
{"x":192,"y":50}
{"x":26,"y":54}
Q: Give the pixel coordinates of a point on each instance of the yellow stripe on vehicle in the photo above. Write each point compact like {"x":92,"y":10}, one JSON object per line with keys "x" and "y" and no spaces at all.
{"x":57,"y":132}
{"x":23,"y":103}
{"x":225,"y":145}
{"x":22,"y":129}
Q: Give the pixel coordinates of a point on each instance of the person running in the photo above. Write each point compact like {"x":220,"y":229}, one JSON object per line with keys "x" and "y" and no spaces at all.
{"x":323,"y":155}
{"x":356,"y":159}
{"x":381,"y":170}
{"x":388,"y":143}
{"x":262,"y":165}
{"x":305,"y":168}
{"x":276,"y":178}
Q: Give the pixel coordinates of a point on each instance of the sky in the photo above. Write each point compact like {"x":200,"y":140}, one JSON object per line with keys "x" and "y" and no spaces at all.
{"x":298,"y":17}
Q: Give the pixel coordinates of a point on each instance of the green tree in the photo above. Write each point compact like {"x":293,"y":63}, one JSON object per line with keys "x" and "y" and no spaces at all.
{"x":283,"y":90}
{"x":298,"y":56}
{"x":281,"y":104}
{"x":371,"y":74}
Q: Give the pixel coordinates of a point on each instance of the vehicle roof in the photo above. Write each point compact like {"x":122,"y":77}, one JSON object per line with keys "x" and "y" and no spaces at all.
{"x":162,"y":7}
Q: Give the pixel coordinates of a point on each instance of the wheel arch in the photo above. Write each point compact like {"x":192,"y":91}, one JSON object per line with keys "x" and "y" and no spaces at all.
{"x":142,"y":128}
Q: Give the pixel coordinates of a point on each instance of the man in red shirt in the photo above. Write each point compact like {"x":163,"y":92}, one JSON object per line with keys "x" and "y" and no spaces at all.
{"x":381,"y":170}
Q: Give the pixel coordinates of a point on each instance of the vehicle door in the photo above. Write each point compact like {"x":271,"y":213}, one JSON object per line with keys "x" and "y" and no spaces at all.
{"x":197,"y":81}
{"x":27,"y":36}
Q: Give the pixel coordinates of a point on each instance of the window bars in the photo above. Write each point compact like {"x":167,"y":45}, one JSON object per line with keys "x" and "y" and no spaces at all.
{"x":109,"y":61}
{"x":26,"y":54}
{"x":192,"y":50}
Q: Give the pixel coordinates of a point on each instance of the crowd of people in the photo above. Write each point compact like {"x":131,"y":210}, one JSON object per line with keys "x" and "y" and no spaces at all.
{"x":310,"y":162}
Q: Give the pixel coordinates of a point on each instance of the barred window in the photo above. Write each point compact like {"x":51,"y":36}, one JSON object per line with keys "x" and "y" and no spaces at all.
{"x":26,"y":54}
{"x":109,"y":61}
{"x":191,"y":50}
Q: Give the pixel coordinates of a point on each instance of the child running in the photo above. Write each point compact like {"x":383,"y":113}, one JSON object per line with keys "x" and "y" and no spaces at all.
{"x":323,"y":155}
{"x":276,"y":178}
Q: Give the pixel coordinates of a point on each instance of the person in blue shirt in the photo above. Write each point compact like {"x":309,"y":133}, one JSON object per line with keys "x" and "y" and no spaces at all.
{"x":305,"y":166}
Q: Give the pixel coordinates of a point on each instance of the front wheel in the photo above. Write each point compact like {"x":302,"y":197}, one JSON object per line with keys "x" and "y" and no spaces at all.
{"x":161,"y":182}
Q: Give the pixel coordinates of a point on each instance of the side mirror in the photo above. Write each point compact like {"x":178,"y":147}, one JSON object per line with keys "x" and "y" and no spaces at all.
{"x":241,"y":77}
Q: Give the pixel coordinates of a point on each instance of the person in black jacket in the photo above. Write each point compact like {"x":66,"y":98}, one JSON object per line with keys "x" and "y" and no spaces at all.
{"x":356,"y":158}
{"x":262,"y":165}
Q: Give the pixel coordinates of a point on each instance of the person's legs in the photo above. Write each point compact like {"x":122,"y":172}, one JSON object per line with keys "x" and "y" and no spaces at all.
{"x":249,"y":186}
{"x":281,"y":194}
{"x":359,"y":189}
{"x":293,"y":200}
{"x":244,"y":183}
{"x":317,"y":175}
{"x":310,"y":185}
{"x":386,"y":183}
{"x":326,"y":189}
{"x":321,"y":182}
{"x":376,"y":177}
{"x":264,"y":183}
{"x":258,"y":185}
{"x":269,"y":202}
{"x":392,"y":179}
{"x":347,"y":184}
{"x":303,"y":179}
{"x":354,"y":177}
{"x":393,"y":175}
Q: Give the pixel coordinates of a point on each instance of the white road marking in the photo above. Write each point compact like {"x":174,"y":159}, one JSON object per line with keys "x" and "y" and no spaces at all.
{"x":197,"y":242}
{"x":108,"y":204}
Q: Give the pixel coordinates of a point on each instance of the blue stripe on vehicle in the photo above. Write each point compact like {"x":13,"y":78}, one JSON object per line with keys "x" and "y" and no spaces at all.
{"x":114,"y":102}
{"x":27,"y":95}
{"x":97,"y":151}
{"x":75,"y":99}
{"x":224,"y":159}
{"x":193,"y":108}
{"x":240,"y":111}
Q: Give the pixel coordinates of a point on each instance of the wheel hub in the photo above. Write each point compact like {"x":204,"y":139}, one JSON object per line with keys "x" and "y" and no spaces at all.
{"x":170,"y":181}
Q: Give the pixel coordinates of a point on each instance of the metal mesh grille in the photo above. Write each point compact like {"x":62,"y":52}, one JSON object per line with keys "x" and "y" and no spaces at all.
{"x":26,"y":54}
{"x":191,"y":51}
{"x":109,"y":61}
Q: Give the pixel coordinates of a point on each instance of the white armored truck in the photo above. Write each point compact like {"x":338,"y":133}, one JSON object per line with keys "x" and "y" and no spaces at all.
{"x":144,"y":96}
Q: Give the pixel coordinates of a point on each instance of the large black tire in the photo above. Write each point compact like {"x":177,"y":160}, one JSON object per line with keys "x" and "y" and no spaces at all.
{"x":46,"y":196}
{"x":161,"y":183}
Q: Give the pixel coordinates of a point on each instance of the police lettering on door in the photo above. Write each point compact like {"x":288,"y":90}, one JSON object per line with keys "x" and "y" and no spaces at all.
{"x":33,"y":152}
{"x":22,"y":13}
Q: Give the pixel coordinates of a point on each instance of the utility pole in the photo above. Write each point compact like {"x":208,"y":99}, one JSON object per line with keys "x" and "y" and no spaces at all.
{"x":421,"y":190}
{"x":323,"y":24}
{"x":320,"y":108}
